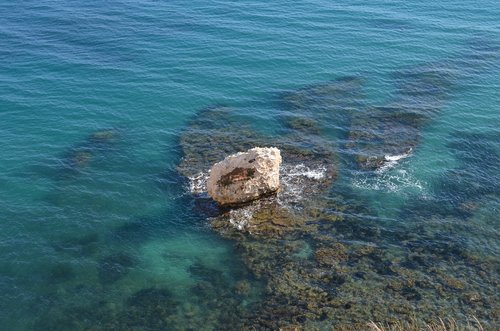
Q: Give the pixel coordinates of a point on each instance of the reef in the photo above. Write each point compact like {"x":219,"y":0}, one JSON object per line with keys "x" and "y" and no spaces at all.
{"x":323,"y":260}
{"x":314,"y":256}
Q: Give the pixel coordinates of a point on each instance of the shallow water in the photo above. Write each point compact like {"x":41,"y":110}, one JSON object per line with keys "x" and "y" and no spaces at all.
{"x":387,"y":115}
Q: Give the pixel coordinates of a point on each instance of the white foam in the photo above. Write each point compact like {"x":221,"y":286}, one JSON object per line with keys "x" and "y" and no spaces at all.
{"x":198,"y":183}
{"x":294,"y":180}
{"x":392,"y":160}
{"x":393,"y":181}
{"x":292,"y":177}
{"x":300,"y":170}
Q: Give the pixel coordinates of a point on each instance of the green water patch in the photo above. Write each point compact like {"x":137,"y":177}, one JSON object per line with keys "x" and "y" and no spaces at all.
{"x":164,"y":283}
{"x":171,"y":260}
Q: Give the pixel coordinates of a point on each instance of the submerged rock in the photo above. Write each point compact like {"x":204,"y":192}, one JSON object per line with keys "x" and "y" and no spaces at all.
{"x":95,"y":146}
{"x":244,"y":177}
{"x":313,"y":245}
{"x":381,"y":136}
{"x":106,"y":136}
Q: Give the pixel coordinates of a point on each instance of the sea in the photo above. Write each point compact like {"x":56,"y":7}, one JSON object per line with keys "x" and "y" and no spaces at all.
{"x":387,"y":115}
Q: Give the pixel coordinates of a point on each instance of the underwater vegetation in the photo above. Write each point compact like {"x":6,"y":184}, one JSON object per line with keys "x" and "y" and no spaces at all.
{"x":324,"y":260}
{"x":66,"y":168}
{"x":315,"y":255}
{"x":216,"y":298}
{"x":460,"y":191}
{"x":322,"y":108}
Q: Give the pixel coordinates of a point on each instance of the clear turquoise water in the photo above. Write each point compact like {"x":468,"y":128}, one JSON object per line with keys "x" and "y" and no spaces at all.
{"x":144,"y":69}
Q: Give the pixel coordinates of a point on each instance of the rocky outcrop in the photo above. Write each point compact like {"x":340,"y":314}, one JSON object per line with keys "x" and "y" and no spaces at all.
{"x":244,"y":177}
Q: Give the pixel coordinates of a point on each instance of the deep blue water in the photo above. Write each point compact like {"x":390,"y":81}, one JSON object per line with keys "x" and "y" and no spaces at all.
{"x":98,"y":224}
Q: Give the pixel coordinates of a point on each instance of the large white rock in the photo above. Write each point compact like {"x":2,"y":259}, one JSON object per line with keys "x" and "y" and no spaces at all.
{"x":245,"y":176}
